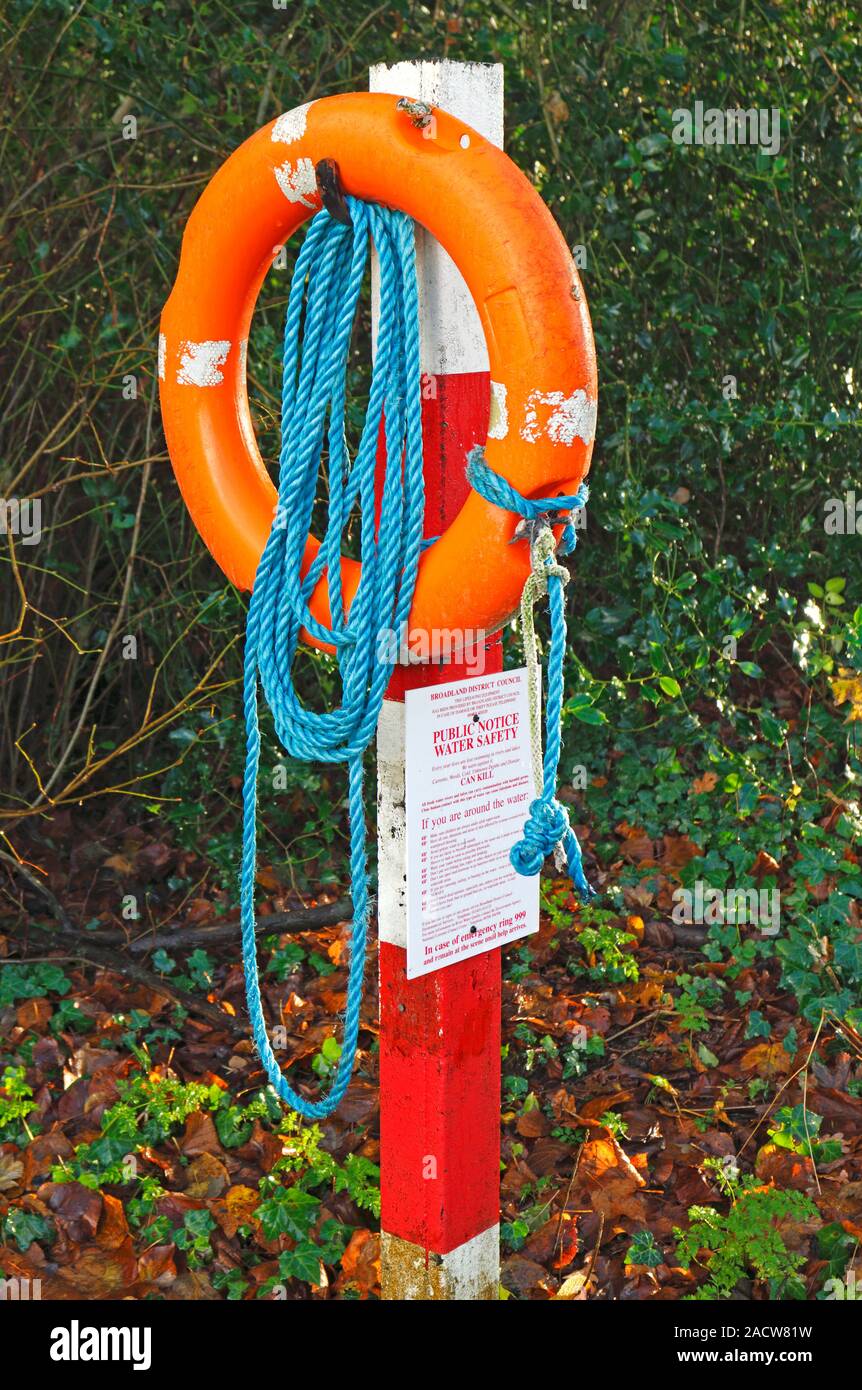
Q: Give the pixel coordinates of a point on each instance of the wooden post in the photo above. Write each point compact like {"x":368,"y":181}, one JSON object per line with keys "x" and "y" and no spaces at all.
{"x":439,"y":1035}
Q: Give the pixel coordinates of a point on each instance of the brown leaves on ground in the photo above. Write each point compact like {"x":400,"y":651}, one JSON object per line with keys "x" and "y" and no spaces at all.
{"x":767,"y":1059}
{"x":76,"y":1075}
{"x":628,"y":1144}
{"x":360,"y":1264}
{"x":592,"y":1156}
{"x":609,"y":1181}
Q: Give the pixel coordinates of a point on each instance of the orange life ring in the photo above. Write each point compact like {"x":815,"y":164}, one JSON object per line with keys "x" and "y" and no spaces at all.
{"x":520,"y":272}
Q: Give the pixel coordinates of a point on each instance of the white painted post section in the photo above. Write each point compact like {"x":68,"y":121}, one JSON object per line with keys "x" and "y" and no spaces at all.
{"x":445,"y":1244}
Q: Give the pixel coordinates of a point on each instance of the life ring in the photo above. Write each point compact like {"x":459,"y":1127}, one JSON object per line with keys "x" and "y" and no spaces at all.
{"x":500,"y":234}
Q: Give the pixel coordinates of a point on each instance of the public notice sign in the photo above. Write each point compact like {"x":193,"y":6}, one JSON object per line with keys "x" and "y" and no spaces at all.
{"x":469,"y":782}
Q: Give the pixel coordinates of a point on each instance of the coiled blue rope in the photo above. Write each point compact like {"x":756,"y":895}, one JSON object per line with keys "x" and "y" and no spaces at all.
{"x":321,"y":309}
{"x":547,"y":829}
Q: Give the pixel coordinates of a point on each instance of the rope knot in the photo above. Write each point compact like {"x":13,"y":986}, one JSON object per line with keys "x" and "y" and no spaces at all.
{"x":547,"y":829}
{"x":543,"y":554}
{"x":546,"y":825}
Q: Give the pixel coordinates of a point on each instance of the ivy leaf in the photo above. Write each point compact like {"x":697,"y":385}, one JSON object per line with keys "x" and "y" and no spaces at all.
{"x":290,"y":1212}
{"x":304,"y":1262}
{"x":25,"y":1227}
{"x":644,"y":1250}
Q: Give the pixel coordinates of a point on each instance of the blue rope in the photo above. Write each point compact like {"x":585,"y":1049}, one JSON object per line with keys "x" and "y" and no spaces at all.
{"x":321,"y":310}
{"x":547,"y":825}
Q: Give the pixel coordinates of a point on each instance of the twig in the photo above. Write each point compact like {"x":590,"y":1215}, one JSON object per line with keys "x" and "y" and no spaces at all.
{"x":56,"y":908}
{"x":595,"y":1253}
{"x":638,"y":1023}
{"x":805,"y":1106}
{"x":107,"y":959}
{"x":772,"y":1104}
{"x":119,"y":616}
{"x":216,"y":933}
{"x":206,"y":933}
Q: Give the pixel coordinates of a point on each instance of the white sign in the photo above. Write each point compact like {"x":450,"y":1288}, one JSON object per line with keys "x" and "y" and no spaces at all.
{"x":469,"y":786}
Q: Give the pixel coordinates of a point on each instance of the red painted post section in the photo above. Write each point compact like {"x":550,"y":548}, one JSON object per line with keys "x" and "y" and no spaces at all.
{"x":439,"y":1034}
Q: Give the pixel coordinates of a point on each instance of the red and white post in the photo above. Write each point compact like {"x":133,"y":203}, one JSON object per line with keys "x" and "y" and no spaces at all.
{"x":440,"y":1034}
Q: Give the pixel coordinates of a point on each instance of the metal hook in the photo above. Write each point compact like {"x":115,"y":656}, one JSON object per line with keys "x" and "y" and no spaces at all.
{"x":420,"y":113}
{"x":331,"y":192}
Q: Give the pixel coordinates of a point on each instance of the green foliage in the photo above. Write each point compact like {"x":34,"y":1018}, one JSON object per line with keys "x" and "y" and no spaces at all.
{"x":31,"y":982}
{"x":69,"y":1017}
{"x":303,"y":1156}
{"x":198,"y":974}
{"x":194,"y":1237}
{"x":26,"y":1227}
{"x":699,"y":263}
{"x":600,"y":936}
{"x":747,"y":1240}
{"x":294,"y":1210}
{"x":515,"y":1234}
{"x":326,"y":1060}
{"x":577,"y":1057}
{"x":697,"y":994}
{"x":305,"y":1260}
{"x":150,"y":1109}
{"x":615,"y":1124}
{"x":16,"y":1103}
{"x":838,"y":1250}
{"x":798,"y":1129}
{"x":232,"y":1282}
{"x":644,"y":1250}
{"x":604,"y":941}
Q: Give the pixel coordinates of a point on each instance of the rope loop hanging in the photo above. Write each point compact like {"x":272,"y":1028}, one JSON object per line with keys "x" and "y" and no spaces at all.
{"x":547,"y":828}
{"x":321,"y":311}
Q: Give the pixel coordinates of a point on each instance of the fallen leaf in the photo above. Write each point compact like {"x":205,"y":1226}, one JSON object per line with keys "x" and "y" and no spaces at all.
{"x":200,"y":1135}
{"x":848,"y":686}
{"x":193,"y":1286}
{"x":767,"y":1059}
{"x":360,"y":1263}
{"x":156,"y":1265}
{"x":635,"y":928}
{"x":113,"y":1227}
{"x":610,"y":1180}
{"x":33,"y":1014}
{"x":521,"y":1276}
{"x":764,"y":865}
{"x":120,"y":865}
{"x":597,"y":1105}
{"x":783,"y":1168}
{"x":533,"y":1124}
{"x":98,"y":1274}
{"x":11,"y":1170}
{"x":237,"y":1208}
{"x":707,"y":783}
{"x":573,"y":1288}
{"x":78,"y":1208}
{"x":206,"y":1176}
